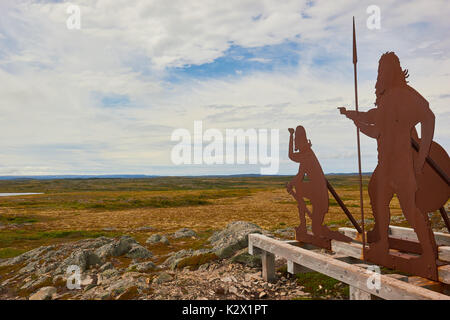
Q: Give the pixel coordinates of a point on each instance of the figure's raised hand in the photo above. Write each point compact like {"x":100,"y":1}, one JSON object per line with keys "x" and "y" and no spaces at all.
{"x":343,"y":110}
{"x":291,"y":131}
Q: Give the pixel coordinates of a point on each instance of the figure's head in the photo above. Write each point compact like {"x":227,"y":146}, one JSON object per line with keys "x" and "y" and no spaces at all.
{"x":390,"y":74}
{"x":301,"y":143}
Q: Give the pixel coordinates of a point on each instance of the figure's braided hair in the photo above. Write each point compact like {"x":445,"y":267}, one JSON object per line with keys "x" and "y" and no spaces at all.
{"x":392,"y":61}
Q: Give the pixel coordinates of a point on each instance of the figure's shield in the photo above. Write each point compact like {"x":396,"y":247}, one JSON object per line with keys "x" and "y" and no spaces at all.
{"x":432,"y":190}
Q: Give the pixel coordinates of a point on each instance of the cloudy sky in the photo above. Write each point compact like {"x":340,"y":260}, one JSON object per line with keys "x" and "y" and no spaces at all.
{"x":106,"y":98}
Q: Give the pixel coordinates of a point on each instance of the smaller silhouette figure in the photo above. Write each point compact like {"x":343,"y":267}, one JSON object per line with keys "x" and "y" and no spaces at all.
{"x":315,"y":189}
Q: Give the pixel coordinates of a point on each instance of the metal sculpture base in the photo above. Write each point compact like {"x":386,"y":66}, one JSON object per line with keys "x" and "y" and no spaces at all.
{"x":307,"y":237}
{"x":404,"y":254}
{"x":347,"y":267}
{"x":405,"y":262}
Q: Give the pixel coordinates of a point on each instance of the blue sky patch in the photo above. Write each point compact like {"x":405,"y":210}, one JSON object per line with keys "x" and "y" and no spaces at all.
{"x":112,"y":100}
{"x":238,"y":60}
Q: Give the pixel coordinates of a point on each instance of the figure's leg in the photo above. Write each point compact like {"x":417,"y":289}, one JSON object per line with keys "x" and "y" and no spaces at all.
{"x":300,"y":189}
{"x":320,"y":209}
{"x":418,"y":220}
{"x":381,"y":194}
{"x":301,"y":215}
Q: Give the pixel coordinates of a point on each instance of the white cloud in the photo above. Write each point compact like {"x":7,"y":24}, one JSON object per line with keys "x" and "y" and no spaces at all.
{"x":53,"y":121}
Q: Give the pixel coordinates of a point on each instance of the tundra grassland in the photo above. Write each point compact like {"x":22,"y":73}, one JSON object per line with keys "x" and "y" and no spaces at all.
{"x":73,"y":209}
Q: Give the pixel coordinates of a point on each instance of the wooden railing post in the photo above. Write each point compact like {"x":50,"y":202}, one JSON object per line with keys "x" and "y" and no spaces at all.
{"x":268,"y":266}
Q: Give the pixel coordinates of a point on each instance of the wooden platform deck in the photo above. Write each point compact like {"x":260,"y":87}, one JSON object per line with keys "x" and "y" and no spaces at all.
{"x":354,"y":249}
{"x":346,"y":267}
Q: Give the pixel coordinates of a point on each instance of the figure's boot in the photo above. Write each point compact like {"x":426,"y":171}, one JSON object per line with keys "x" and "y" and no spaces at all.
{"x":427,"y":261}
{"x":334,"y":235}
{"x":378,"y":252}
{"x":378,"y":248}
{"x":373,"y":235}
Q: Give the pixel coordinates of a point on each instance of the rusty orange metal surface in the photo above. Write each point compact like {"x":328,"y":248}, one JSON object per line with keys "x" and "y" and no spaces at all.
{"x":414,"y":169}
{"x":315,"y":189}
{"x":401,"y":170}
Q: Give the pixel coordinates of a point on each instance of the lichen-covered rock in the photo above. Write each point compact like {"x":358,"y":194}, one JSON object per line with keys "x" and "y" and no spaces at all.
{"x":143,"y":266}
{"x":139,"y":252}
{"x":163,"y":277}
{"x":92,"y":243}
{"x":157,"y":238}
{"x":81,"y":258}
{"x":233,"y":238}
{"x":164,"y":240}
{"x":247,"y":259}
{"x":106,"y":266}
{"x":199,"y":258}
{"x":32,"y":255}
{"x":110,"y":273}
{"x":184,"y":233}
{"x":175,"y":257}
{"x":45,"y":293}
{"x":116,"y":248}
{"x":121,"y":285}
{"x":35,"y":283}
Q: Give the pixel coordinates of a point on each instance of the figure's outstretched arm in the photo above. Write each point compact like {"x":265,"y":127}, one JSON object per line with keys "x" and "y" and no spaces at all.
{"x":368,"y":117}
{"x":369,"y":130}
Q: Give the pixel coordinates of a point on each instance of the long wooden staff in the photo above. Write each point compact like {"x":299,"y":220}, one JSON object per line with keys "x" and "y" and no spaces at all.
{"x":355,"y":61}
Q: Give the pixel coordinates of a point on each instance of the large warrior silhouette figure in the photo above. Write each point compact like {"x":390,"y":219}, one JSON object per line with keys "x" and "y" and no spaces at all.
{"x":400,"y":170}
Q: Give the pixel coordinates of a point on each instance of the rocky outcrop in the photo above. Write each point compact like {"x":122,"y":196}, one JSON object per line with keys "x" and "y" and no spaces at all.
{"x":163,"y":277}
{"x":84,"y":259}
{"x":253,"y":261}
{"x":45,"y":293}
{"x":138,"y":252}
{"x":116,"y":248}
{"x":142,"y":266}
{"x":233,"y":238}
{"x":122,"y":268}
{"x":184,"y":233}
{"x":157,"y":238}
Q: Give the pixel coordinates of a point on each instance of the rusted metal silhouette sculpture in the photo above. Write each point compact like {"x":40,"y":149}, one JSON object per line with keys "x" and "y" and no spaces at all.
{"x":401,"y":170}
{"x":415,"y":169}
{"x":315,"y":190}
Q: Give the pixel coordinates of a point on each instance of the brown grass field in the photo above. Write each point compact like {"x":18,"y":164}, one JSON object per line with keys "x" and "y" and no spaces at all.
{"x":72,"y":209}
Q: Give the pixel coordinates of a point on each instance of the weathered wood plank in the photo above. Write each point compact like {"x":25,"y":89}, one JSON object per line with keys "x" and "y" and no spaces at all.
{"x":444,"y":274}
{"x":294,"y":268}
{"x":358,"y":294}
{"x":442,"y":239}
{"x":355,"y":250}
{"x":349,"y":249}
{"x":444,"y":253}
{"x":268,"y":266}
{"x":344,"y":272}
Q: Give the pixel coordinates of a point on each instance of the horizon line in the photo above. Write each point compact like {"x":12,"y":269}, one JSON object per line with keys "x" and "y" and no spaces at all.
{"x":118,"y":176}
